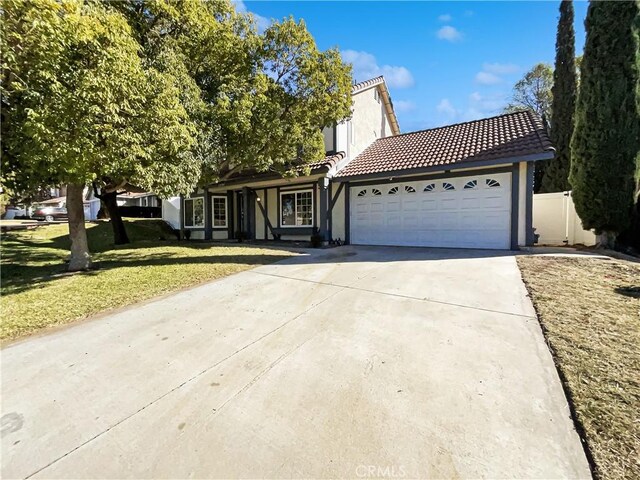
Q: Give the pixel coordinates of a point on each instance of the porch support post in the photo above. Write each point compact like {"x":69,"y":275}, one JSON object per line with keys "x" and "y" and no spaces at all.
{"x":529,"y":205}
{"x":249,"y":212}
{"x":208,"y":215}
{"x":323,"y":185}
{"x":515,"y":202}
{"x":230,"y":215}
{"x":347,"y":214}
{"x":182,"y":217}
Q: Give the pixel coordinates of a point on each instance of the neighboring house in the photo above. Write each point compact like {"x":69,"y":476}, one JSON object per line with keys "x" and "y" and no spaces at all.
{"x":468,"y":185}
{"x":138,"y":199}
{"x":91,"y":205}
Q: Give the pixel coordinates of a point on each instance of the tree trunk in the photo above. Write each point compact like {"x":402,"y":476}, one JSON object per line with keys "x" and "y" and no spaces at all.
{"x":80,"y":256}
{"x":119,"y":232}
{"x":607,"y":240}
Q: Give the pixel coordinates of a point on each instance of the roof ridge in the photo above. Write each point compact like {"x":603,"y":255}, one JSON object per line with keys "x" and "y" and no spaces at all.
{"x":457,"y":124}
{"x":538,"y":121}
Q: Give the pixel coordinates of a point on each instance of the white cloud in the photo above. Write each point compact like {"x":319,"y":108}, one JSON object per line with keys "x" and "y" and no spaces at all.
{"x":365,"y":66}
{"x":445,"y":18}
{"x":488,"y":104}
{"x":261,"y":22}
{"x":486,"y":78}
{"x":403,"y":105}
{"x":445,"y":107}
{"x":500,"y":68}
{"x":449,"y":34}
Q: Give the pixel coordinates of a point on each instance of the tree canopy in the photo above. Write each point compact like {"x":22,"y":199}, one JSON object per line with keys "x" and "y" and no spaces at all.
{"x":563,"y":93}
{"x":160,"y":94}
{"x":533,"y":91}
{"x":606,"y":139}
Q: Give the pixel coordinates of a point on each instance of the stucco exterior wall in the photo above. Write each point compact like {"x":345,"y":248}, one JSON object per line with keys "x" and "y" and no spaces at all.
{"x":338,"y":216}
{"x":328,"y":133}
{"x":220,"y":235}
{"x":522,"y":204}
{"x":272,"y":206}
{"x":342,"y":137}
{"x":171,"y":211}
{"x":369,"y":121}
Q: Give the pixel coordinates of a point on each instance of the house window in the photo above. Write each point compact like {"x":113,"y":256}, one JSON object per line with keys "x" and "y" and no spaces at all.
{"x":362,"y":193}
{"x":392,"y":191}
{"x":448,"y":186}
{"x":219,"y":210}
{"x":491,"y":183}
{"x":194,"y":212}
{"x":409,"y":189}
{"x":296,"y":208}
{"x":471,"y":184}
{"x":376,"y":192}
{"x":430,"y":188}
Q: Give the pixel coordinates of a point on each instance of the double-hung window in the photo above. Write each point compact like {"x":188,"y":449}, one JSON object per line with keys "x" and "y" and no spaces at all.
{"x":296,"y":208}
{"x":219,"y":210}
{"x":193,"y":212}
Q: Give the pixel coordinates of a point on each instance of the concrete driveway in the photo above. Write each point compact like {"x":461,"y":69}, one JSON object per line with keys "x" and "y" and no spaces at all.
{"x":350,"y":362}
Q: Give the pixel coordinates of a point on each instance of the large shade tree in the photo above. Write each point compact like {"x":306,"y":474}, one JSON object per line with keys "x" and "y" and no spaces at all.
{"x":78,"y":105}
{"x":564,"y":91}
{"x":606,"y":139}
{"x":265,"y":96}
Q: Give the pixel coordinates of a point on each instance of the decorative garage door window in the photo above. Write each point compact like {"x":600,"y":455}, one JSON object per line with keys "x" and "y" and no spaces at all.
{"x":376,"y":192}
{"x":194,"y":212}
{"x":471,"y":184}
{"x":219,"y":209}
{"x":409,"y":189}
{"x":362,"y":193}
{"x":448,"y":186}
{"x":430,"y":188}
{"x":296,"y":208}
{"x":492,"y":183}
{"x":393,"y":191}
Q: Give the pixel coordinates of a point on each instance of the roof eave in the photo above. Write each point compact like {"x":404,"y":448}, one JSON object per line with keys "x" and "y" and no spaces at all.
{"x":536,"y":157}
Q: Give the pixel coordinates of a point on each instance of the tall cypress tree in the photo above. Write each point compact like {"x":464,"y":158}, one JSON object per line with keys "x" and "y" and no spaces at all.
{"x":556,"y":175}
{"x":606,"y":137}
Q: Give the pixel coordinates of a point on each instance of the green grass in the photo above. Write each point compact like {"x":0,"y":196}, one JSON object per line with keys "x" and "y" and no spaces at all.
{"x":37,"y":293}
{"x":589,"y":309}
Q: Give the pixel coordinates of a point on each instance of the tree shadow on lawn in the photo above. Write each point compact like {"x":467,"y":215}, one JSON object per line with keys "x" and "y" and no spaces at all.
{"x":17,"y":276}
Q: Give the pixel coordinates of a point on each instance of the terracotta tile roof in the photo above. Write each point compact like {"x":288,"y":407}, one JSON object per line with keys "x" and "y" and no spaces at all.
{"x":358,"y":87}
{"x":328,"y":162}
{"x":502,"y":137}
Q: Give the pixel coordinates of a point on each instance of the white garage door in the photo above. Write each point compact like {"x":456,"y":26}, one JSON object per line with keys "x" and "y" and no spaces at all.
{"x":464,"y":212}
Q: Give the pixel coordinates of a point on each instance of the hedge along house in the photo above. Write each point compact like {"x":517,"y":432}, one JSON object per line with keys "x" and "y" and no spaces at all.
{"x":468,"y":185}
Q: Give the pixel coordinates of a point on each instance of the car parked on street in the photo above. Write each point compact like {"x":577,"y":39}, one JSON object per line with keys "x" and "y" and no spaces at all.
{"x":50,"y":214}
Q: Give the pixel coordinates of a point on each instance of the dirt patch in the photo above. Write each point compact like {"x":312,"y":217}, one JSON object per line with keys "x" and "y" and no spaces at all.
{"x":590,"y":313}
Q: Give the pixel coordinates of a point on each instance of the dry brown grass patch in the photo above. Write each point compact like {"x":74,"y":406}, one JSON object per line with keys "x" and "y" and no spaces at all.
{"x":590,"y":311}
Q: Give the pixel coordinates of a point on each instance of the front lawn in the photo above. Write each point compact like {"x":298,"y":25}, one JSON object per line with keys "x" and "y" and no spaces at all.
{"x":589,"y":309}
{"x":36,"y":293}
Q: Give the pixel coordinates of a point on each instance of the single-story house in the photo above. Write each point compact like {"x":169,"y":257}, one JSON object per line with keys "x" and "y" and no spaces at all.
{"x":468,"y":185}
{"x":138,"y":199}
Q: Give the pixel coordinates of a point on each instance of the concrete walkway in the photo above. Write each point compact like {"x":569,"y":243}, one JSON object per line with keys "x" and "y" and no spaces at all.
{"x":350,"y":362}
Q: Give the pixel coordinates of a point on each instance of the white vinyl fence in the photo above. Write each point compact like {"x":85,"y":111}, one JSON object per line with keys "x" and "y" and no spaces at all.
{"x":556,"y":222}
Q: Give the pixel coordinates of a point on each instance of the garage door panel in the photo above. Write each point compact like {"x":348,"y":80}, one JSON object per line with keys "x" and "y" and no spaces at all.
{"x":441,"y":213}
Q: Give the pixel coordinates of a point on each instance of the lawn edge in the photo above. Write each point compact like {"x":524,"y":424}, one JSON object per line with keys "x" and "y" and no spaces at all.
{"x":566,"y":387}
{"x":10,"y":342}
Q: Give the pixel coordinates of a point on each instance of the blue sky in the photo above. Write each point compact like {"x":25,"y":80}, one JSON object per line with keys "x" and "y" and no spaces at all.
{"x":444,"y":62}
